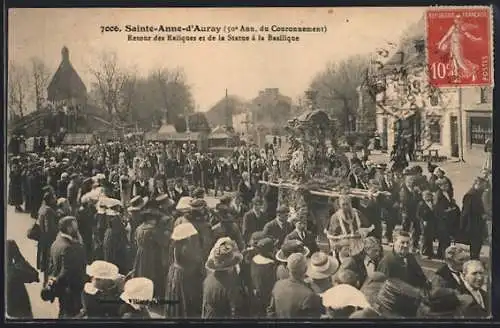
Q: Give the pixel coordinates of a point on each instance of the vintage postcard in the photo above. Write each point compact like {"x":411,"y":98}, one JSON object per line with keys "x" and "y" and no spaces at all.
{"x":265,"y":163}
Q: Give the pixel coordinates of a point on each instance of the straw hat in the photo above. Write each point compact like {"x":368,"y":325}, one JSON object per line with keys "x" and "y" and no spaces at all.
{"x":342,"y":296}
{"x":103,"y":270}
{"x":289,"y":247}
{"x":137,"y":291}
{"x":322,"y":266}
{"x":223,"y":256}
{"x":183,"y":231}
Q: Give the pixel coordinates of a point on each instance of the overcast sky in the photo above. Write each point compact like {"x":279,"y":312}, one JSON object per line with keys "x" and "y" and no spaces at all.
{"x":242,"y":67}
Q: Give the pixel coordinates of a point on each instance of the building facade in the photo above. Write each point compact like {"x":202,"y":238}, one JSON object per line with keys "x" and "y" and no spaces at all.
{"x":437,"y":126}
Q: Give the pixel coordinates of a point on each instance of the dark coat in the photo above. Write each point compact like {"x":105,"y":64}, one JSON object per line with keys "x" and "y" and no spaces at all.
{"x":222,"y":296}
{"x":246,"y":193}
{"x":98,"y":304}
{"x":128,"y":312}
{"x":393,"y":266}
{"x":72,"y":195}
{"x":472,"y":224}
{"x":292,"y":299}
{"x":19,"y":272}
{"x":443,"y":278}
{"x":220,"y":231}
{"x":408,"y":204}
{"x":251,"y":224}
{"x":262,"y":282}
{"x":148,"y":261}
{"x":356,"y":263}
{"x":47,"y":220}
{"x":67,"y":264}
{"x":474,"y":310}
{"x":309,"y":241}
{"x":115,"y":246}
{"x":15,"y":188}
{"x":448,"y":213}
{"x":274,"y":231}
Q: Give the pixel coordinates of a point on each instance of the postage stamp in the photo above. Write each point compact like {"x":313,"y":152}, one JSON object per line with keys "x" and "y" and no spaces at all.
{"x":459,"y":46}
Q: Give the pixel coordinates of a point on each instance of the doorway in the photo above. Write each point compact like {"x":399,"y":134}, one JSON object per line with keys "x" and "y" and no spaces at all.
{"x":454,"y":136}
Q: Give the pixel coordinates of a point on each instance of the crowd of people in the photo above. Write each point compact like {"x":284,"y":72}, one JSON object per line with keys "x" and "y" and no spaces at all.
{"x":126,"y":230}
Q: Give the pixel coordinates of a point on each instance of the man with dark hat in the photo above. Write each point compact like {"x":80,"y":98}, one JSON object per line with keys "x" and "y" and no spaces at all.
{"x":292,"y":298}
{"x":279,"y":228}
{"x":262,"y":282}
{"x":47,"y":220}
{"x":253,"y":220}
{"x":227,"y":227}
{"x":473,"y":218}
{"x":67,"y":267}
{"x":197,"y":217}
{"x":288,"y":248}
{"x":409,"y":199}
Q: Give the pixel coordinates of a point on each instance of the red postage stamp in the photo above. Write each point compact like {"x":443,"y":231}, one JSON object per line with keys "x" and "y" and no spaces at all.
{"x":459,"y":48}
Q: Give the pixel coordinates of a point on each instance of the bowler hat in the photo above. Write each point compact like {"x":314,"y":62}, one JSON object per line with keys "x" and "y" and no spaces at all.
{"x":265,"y":245}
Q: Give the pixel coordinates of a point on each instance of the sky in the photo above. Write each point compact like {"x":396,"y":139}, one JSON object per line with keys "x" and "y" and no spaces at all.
{"x":243,"y":68}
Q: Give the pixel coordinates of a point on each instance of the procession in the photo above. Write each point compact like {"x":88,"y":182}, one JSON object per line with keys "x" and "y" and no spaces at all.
{"x":147,"y":207}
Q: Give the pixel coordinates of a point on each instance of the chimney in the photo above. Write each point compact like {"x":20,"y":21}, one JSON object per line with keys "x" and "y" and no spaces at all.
{"x":65,"y":54}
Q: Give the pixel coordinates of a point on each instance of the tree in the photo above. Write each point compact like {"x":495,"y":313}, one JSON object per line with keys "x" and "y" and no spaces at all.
{"x":337,"y":85}
{"x":175,"y":93}
{"x":110,"y":81}
{"x":18,"y":90}
{"x":39,"y":79}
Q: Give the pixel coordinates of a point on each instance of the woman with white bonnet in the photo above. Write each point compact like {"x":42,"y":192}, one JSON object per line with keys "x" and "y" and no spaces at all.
{"x":101,"y":296}
{"x":138,"y":297}
{"x":178,"y":284}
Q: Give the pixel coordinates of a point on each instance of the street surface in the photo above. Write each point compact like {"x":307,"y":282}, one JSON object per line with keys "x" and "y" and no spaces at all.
{"x":17,"y":225}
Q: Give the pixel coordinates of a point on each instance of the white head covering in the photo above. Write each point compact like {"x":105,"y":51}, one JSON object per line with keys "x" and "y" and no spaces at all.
{"x":137,"y":291}
{"x":342,"y":296}
{"x":183,"y":231}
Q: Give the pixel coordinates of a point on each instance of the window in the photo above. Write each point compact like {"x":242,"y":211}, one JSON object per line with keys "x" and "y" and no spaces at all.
{"x":480,"y":130}
{"x":434,"y":123}
{"x":483,"y":95}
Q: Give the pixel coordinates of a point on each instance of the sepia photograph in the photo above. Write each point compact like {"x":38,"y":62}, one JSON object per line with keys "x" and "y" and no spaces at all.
{"x":249,"y":163}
